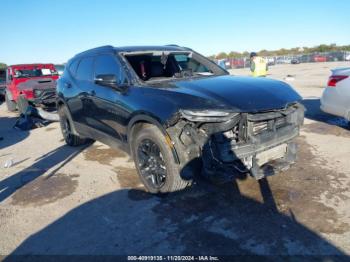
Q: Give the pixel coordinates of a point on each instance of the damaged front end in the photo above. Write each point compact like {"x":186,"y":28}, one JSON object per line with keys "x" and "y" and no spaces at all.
{"x":227,"y":144}
{"x":40,"y":92}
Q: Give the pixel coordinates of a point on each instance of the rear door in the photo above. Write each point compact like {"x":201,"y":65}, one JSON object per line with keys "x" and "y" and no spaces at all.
{"x":78,"y":90}
{"x":108,"y":113}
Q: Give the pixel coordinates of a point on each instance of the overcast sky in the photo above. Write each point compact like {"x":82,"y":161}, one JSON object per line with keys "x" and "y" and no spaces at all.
{"x":53,"y":31}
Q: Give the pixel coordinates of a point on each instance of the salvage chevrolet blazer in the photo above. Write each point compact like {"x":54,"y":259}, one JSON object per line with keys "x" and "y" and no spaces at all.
{"x":178,"y":114}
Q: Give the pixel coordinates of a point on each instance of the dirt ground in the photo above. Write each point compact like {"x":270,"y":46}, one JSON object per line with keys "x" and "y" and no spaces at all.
{"x":89,"y":200}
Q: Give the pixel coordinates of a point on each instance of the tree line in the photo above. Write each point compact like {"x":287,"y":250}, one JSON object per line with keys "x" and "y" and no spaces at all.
{"x":283,"y":51}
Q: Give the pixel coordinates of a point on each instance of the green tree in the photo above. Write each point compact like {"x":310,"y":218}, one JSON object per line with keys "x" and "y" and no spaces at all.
{"x":264,"y":53}
{"x":211,"y":57}
{"x":234,"y":54}
{"x":221,"y":55}
{"x":291,"y":51}
{"x":3,"y":65}
{"x":323,"y":48}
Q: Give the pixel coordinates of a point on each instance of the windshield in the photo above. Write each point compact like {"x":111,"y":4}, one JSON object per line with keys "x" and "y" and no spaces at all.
{"x":160,"y":65}
{"x":23,"y":73}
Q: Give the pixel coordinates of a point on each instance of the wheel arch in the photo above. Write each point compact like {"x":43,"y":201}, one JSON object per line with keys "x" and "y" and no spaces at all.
{"x":59,"y":103}
{"x":135,"y":124}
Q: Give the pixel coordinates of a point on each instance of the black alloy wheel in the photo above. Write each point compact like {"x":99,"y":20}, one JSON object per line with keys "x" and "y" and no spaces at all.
{"x":151,"y":164}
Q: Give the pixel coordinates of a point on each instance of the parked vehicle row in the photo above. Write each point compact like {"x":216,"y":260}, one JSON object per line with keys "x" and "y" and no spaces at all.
{"x":230,"y":63}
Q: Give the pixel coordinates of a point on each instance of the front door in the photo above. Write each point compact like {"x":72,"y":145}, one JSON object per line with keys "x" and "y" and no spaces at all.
{"x":110,"y":110}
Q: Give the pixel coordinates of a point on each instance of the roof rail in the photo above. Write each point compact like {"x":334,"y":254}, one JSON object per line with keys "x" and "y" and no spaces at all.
{"x":100,"y":48}
{"x":187,"y":48}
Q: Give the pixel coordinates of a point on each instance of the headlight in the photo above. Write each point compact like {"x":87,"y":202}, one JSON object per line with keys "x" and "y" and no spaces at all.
{"x":207,"y":115}
{"x":37,"y":92}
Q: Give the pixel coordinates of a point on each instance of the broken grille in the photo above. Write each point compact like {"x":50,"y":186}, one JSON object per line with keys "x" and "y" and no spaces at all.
{"x":258,"y":127}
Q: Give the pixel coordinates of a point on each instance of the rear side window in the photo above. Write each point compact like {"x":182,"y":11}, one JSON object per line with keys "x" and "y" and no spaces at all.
{"x":85,"y":67}
{"x":108,"y":64}
{"x":73,"y":67}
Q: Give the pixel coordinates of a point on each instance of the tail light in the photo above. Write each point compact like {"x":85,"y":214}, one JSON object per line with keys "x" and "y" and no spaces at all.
{"x":333,"y":80}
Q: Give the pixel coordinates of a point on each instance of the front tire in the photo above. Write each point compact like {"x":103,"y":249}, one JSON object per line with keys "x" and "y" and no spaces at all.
{"x":10,"y":104}
{"x":70,"y":138}
{"x":155,"y":163}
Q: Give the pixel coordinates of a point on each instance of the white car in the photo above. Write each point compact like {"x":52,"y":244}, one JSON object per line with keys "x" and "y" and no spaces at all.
{"x":347,"y":57}
{"x":335,"y":99}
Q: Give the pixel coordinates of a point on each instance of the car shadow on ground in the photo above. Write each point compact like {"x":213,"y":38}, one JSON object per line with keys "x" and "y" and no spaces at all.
{"x":314,"y":112}
{"x":204,"y":220}
{"x":51,"y":161}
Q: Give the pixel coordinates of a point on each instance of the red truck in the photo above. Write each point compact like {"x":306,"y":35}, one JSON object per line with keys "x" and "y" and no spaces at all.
{"x":35,"y":82}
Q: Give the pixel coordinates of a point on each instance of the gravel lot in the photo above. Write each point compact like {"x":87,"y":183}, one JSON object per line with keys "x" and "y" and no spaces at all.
{"x":88,"y":200}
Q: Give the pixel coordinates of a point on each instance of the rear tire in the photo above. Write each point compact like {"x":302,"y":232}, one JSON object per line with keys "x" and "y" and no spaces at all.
{"x":10,"y":104}
{"x":22,"y":104}
{"x":70,"y":138}
{"x":154,"y":162}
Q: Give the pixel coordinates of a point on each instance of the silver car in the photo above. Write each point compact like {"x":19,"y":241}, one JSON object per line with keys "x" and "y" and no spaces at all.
{"x":335,"y":99}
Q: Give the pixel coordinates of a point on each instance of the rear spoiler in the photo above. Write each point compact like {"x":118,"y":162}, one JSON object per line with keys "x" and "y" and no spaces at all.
{"x":341,"y":70}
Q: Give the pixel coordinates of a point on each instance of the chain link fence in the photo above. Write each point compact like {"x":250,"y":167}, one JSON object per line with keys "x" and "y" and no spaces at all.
{"x":243,"y":62}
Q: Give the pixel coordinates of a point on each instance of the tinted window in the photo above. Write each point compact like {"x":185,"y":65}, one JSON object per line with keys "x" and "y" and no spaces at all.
{"x":84,"y":71}
{"x":73,"y":67}
{"x":106,"y":65}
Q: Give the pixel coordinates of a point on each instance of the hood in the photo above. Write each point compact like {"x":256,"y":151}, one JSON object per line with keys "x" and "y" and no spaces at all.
{"x":245,"y":94}
{"x":37,"y":83}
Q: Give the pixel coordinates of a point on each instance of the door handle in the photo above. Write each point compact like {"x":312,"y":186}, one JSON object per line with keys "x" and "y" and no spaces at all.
{"x":68,"y":85}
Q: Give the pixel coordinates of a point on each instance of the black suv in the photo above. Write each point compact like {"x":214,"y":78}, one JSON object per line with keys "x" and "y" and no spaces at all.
{"x":178,"y":114}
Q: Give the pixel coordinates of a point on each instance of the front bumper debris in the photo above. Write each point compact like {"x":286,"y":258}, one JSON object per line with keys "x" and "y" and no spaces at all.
{"x":45,"y":97}
{"x":260,"y":144}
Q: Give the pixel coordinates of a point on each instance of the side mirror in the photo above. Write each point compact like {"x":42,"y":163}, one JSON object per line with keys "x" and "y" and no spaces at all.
{"x":106,"y":80}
